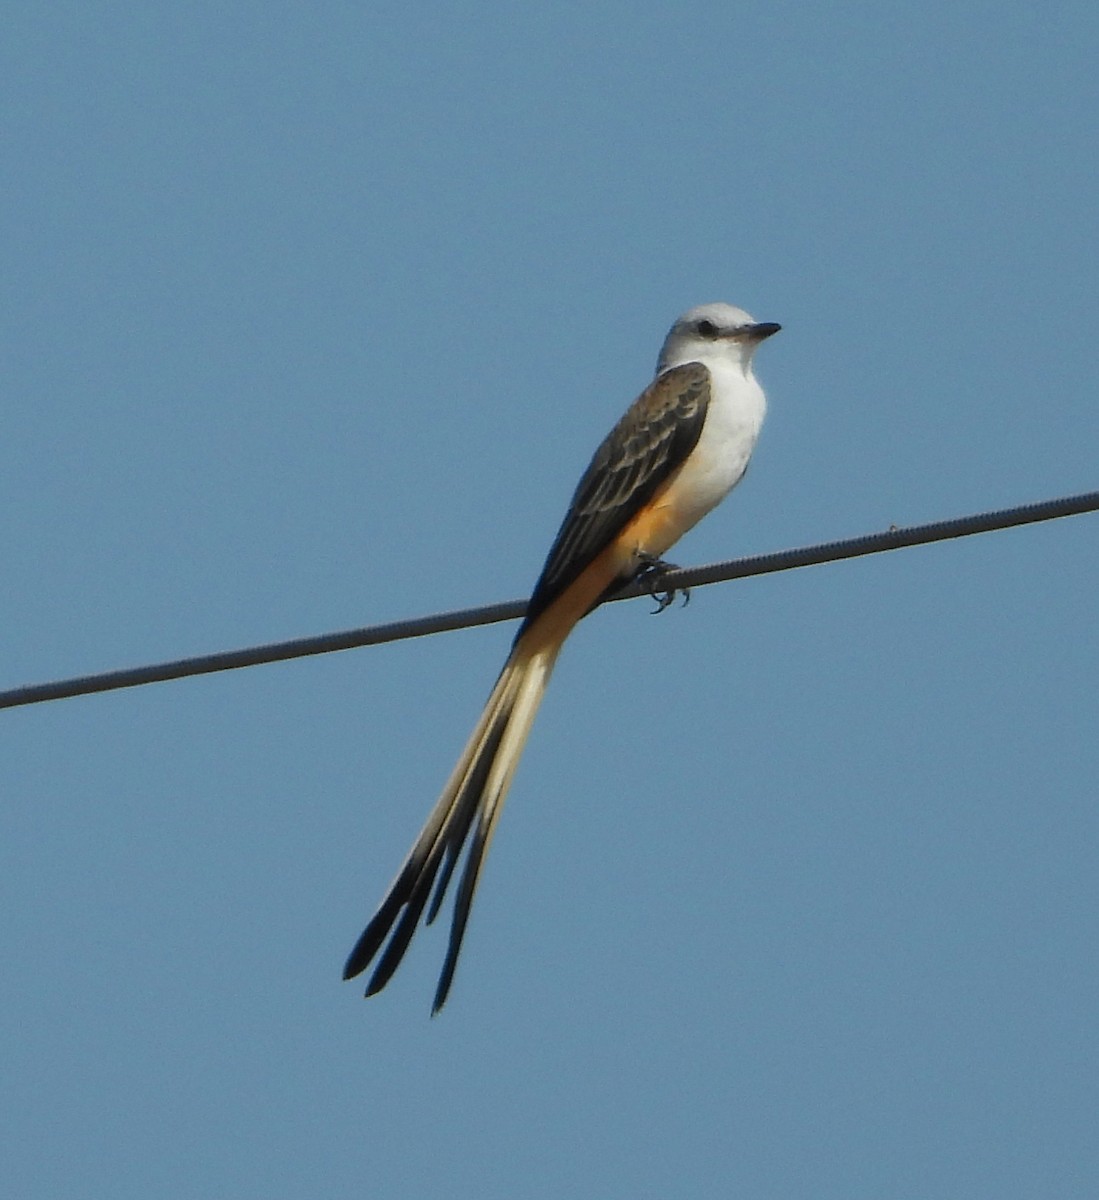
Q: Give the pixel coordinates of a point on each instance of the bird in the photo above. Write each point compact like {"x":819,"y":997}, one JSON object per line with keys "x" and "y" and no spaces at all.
{"x":678,"y":450}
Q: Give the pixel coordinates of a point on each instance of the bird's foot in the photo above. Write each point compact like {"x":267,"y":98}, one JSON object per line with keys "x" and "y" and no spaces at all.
{"x":651,"y":573}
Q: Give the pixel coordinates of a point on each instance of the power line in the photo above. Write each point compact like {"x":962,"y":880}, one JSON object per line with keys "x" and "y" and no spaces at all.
{"x":679,"y":578}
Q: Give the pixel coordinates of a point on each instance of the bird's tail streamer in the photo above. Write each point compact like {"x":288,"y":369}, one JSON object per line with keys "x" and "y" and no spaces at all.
{"x":470,"y":802}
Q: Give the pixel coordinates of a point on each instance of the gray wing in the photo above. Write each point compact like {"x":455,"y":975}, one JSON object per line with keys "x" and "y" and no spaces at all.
{"x":653,"y":439}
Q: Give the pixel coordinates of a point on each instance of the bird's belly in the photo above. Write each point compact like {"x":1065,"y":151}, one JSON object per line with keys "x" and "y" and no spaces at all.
{"x":702,"y":482}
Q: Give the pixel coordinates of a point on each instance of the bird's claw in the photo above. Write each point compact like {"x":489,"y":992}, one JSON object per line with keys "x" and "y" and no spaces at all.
{"x":651,"y":572}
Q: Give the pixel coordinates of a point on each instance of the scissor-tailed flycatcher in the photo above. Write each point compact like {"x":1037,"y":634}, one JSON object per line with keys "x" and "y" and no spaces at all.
{"x":682,"y":445}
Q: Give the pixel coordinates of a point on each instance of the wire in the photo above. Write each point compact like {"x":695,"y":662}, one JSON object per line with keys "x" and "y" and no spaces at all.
{"x":677,"y":578}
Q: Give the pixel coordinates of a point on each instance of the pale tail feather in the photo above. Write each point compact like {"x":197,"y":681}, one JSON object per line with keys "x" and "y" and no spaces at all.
{"x":532,"y":687}
{"x":474,"y":792}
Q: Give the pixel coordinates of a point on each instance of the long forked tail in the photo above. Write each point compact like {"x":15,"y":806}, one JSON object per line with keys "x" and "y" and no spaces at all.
{"x":470,"y":803}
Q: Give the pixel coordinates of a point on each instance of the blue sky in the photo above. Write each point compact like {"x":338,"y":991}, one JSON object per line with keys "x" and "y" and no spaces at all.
{"x":312,"y":317}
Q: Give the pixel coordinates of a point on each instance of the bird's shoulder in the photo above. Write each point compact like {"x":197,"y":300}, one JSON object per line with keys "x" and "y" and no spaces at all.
{"x":676,"y":400}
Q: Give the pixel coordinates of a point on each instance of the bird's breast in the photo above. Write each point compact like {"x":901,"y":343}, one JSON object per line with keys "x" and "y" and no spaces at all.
{"x":720,"y":457}
{"x":733,"y":421}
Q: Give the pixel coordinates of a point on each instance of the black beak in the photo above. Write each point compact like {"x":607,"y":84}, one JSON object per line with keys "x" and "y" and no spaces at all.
{"x":764,"y":329}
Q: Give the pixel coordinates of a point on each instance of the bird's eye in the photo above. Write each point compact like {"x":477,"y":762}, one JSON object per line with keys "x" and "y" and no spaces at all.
{"x":707,"y":329}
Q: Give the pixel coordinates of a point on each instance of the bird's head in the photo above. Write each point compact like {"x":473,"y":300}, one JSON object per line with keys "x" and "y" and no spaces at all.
{"x":714,"y":331}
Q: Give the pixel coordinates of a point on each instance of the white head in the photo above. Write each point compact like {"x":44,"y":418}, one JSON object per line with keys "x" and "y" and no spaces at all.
{"x":714,"y":331}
